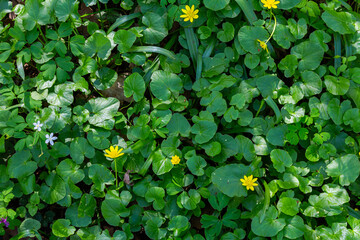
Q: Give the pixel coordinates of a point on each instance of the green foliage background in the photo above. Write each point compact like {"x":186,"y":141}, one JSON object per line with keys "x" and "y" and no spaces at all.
{"x":204,"y":91}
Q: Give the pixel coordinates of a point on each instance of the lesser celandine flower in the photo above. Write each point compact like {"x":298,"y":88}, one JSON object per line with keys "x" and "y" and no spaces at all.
{"x":270,"y":3}
{"x":190,"y":13}
{"x":113,"y":152}
{"x":175,"y":160}
{"x":249,"y":182}
{"x":263,"y":45}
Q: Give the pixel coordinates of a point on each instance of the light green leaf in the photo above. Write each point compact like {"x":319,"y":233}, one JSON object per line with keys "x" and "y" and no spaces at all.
{"x":280,"y":159}
{"x":347,"y":168}
{"x":62,"y":228}
{"x":134,"y":85}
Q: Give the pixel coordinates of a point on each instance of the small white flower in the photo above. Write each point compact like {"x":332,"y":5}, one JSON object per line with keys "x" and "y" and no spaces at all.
{"x":50,"y":139}
{"x":38,"y":126}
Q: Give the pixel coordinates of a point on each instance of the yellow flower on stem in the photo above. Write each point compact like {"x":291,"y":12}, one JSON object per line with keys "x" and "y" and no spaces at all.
{"x":270,"y":3}
{"x":175,"y":160}
{"x":190,"y":13}
{"x":249,"y":182}
{"x":113,"y":152}
{"x":263,"y":45}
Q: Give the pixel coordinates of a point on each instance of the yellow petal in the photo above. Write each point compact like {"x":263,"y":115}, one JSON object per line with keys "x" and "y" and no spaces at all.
{"x":263,"y":1}
{"x":107,"y":151}
{"x":274,"y":6}
{"x":187,"y":7}
{"x":191,"y":19}
{"x":184,"y":16}
{"x":183,"y":10}
{"x":192,"y":8}
{"x":255,"y":184}
{"x":250,"y":177}
{"x":254,"y":180}
{"x":277,"y":2}
{"x":196,"y":17}
{"x":121,"y":154}
{"x":107,"y":155}
{"x":186,"y":19}
{"x":247,"y":187}
{"x":121,"y":149}
{"x":196,"y":11}
{"x":252,"y":188}
{"x":242,"y":180}
{"x":112,"y":148}
{"x":116,"y":148}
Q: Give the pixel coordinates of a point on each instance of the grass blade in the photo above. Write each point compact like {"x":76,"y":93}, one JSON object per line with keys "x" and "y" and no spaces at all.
{"x":337,"y":50}
{"x":209,"y":48}
{"x":270,"y":102}
{"x":122,"y":20}
{"x":248,"y":9}
{"x":199,"y":67}
{"x":153,"y":49}
{"x":193,"y":44}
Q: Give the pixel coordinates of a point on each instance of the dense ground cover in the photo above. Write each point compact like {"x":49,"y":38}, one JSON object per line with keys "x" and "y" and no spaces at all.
{"x":187,"y":119}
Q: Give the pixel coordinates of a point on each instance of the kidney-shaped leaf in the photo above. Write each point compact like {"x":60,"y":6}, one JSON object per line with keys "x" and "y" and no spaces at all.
{"x":227,"y":179}
{"x":347,"y":168}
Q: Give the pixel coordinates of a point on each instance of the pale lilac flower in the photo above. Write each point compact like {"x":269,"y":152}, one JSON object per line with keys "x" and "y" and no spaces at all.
{"x":38,"y":126}
{"x":50,"y":139}
{"x":4,"y":221}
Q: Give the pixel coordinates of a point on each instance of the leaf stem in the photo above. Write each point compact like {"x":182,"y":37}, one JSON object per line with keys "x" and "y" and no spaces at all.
{"x":41,"y":33}
{"x":261,"y":105}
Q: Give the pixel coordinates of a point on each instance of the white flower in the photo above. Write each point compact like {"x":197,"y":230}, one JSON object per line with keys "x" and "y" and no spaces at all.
{"x":50,"y":139}
{"x":38,"y":126}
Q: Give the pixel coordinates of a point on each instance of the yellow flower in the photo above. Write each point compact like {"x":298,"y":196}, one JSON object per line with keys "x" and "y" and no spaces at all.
{"x":249,"y":182}
{"x":270,"y":3}
{"x":113,"y":152}
{"x":175,"y":160}
{"x":190,"y":13}
{"x":263,"y":45}
{"x":356,"y":209}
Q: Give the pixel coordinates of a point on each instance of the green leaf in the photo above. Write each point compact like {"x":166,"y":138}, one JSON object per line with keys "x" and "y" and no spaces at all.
{"x":336,"y":110}
{"x":337,"y":85}
{"x":79,"y":148}
{"x":112,"y":210}
{"x":98,"y":44}
{"x":213,"y":66}
{"x":189,"y":200}
{"x":54,"y":190}
{"x":156,"y":195}
{"x":311,"y":83}
{"x":280,"y":159}
{"x":288,"y":205}
{"x":156,"y":30}
{"x":5,"y":7}
{"x":73,"y":215}
{"x":341,"y":22}
{"x":125,"y":40}
{"x":36,"y":13}
{"x":227,"y":179}
{"x":102,"y":111}
{"x":288,"y":64}
{"x":246,"y":148}
{"x":160,"y":163}
{"x":65,"y":9}
{"x":248,"y":37}
{"x":216,"y":5}
{"x":178,"y":224}
{"x":179,"y":125}
{"x":67,"y":169}
{"x":165,"y":84}
{"x":309,"y":53}
{"x":347,"y":168}
{"x":196,"y":165}
{"x":204,"y":129}
{"x":62,"y":228}
{"x":270,"y":226}
{"x":215,"y":103}
{"x":228,"y":32}
{"x":20,"y":166}
{"x":295,"y":227}
{"x":134,"y":85}
{"x":288,"y":4}
{"x":100,"y":176}
{"x":276,"y":135}
{"x":298,"y":29}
